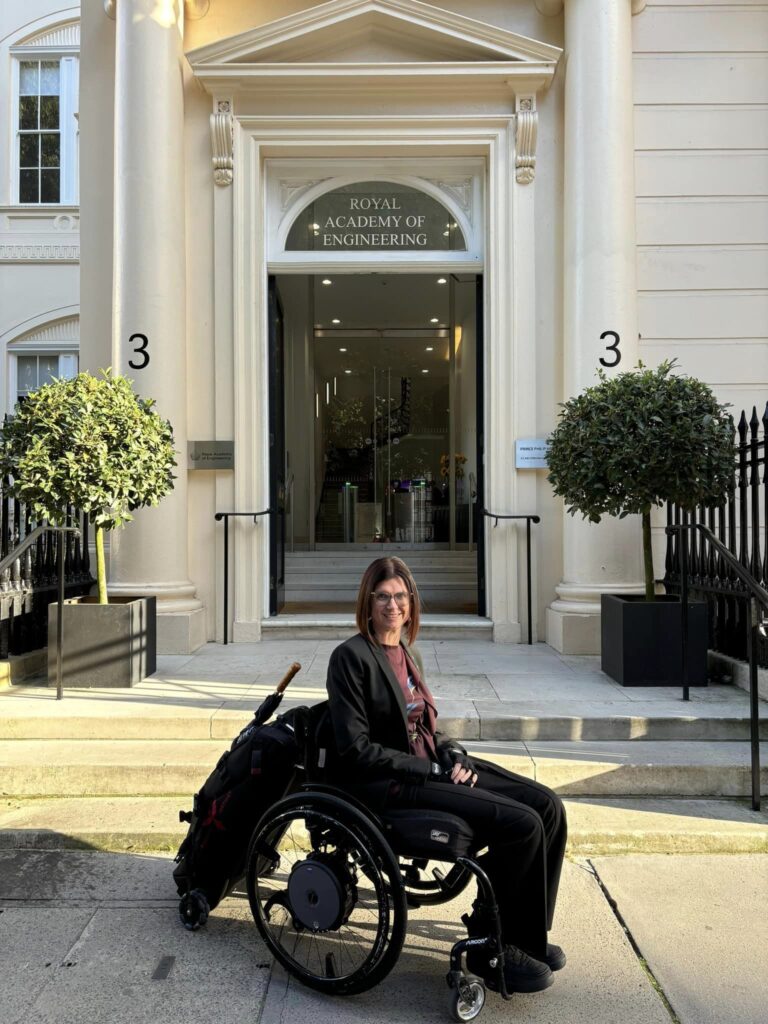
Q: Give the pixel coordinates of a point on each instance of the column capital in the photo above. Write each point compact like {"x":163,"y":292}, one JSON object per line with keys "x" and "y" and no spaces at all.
{"x":551,"y":8}
{"x":193,"y":9}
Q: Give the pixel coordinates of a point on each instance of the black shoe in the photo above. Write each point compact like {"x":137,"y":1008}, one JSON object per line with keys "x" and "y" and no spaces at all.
{"x":521,"y":972}
{"x":554,"y":958}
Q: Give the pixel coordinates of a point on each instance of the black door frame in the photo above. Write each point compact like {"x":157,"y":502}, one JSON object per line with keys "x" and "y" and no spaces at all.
{"x":479,"y":518}
{"x":276,"y":402}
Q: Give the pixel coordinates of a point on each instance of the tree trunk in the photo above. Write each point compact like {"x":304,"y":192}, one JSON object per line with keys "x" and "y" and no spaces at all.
{"x":650,"y":583}
{"x":101,"y":574}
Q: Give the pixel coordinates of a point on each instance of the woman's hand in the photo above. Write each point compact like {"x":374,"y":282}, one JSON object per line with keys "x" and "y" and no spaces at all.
{"x":462,"y":775}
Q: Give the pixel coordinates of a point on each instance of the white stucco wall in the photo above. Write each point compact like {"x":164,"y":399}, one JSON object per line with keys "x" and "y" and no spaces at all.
{"x":39,"y":245}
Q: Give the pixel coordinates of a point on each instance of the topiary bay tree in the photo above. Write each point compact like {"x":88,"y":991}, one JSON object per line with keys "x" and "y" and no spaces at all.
{"x":640,"y":439}
{"x":93,"y":443}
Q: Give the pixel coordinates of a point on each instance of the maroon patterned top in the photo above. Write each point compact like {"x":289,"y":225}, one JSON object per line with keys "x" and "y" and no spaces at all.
{"x":419,"y":703}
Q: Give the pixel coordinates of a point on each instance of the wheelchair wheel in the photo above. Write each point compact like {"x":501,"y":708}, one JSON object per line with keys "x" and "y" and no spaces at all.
{"x":428,"y":883}
{"x":466,"y":1000}
{"x":333,"y":911}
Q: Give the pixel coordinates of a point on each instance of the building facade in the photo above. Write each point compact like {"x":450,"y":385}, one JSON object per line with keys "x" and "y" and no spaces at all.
{"x":359,"y":251}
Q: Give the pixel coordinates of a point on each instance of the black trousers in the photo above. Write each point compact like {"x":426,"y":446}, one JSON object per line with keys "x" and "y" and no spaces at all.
{"x":524,"y":825}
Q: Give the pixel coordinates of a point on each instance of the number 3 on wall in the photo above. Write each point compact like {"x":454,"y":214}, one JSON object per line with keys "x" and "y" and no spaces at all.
{"x":613,"y":347}
{"x":140,"y":350}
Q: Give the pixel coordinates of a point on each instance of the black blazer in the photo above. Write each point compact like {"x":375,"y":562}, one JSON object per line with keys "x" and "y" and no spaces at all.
{"x":370,"y":722}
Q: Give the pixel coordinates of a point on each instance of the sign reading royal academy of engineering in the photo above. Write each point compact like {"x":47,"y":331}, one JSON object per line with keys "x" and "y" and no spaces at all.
{"x":375,"y":216}
{"x":210,"y":455}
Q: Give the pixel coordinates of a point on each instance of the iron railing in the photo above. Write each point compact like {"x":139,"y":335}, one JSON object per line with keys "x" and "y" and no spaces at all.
{"x":29,"y":557}
{"x":226,"y":516}
{"x":528,"y":520}
{"x":753,"y":596}
{"x":741,"y":528}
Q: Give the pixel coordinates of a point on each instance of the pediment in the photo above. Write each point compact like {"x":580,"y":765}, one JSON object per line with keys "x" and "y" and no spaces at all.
{"x":373,"y":32}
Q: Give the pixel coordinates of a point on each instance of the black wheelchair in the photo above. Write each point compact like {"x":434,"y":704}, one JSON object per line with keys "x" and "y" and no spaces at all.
{"x":330,"y":884}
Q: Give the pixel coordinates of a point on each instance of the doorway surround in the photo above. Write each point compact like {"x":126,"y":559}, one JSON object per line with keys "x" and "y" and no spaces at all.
{"x":455,"y":89}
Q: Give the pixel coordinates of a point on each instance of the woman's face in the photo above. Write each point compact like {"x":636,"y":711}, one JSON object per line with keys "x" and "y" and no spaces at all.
{"x":390,"y":615}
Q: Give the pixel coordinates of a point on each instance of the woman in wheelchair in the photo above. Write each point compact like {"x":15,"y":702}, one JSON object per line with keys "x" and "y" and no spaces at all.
{"x":389,"y":755}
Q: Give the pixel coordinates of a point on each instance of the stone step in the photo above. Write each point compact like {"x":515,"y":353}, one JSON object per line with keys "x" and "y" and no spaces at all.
{"x":340,"y":626}
{"x":164,"y":767}
{"x":225,"y":721}
{"x":150,"y":824}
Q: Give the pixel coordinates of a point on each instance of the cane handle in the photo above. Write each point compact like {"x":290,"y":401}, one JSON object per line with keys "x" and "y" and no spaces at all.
{"x":295,"y":667}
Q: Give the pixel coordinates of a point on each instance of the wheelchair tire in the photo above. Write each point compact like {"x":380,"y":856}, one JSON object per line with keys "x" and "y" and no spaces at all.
{"x":333,"y":911}
{"x":467,"y":1000}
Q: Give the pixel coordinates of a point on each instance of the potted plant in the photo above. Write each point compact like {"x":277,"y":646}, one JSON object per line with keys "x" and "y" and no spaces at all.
{"x":91,"y":443}
{"x":632,"y":442}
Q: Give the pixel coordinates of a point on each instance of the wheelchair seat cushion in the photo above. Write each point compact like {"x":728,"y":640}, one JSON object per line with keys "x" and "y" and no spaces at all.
{"x":436,"y":835}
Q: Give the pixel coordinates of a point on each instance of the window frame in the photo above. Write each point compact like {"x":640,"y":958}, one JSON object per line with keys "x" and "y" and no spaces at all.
{"x":67,"y":352}
{"x":69,"y":78}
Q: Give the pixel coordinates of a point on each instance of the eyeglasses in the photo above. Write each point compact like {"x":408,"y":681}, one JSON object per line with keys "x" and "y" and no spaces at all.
{"x":383,"y":598}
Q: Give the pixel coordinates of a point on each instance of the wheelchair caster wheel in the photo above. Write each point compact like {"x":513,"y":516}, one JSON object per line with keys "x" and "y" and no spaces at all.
{"x":193,"y":910}
{"x":466,"y":1000}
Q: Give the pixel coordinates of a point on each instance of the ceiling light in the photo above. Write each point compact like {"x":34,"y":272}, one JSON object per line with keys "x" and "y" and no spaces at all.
{"x":425,"y":371}
{"x":342,"y":350}
{"x":442,"y":280}
{"x":347,"y":371}
{"x":434,"y":320}
{"x":335,"y":320}
{"x":327,"y":280}
{"x":430,"y":348}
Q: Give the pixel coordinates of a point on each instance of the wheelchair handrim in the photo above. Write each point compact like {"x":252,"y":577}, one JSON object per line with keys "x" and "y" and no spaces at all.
{"x":261,"y":890}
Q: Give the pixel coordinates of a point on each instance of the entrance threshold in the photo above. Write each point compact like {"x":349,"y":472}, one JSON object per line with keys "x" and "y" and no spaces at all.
{"x":341,"y":625}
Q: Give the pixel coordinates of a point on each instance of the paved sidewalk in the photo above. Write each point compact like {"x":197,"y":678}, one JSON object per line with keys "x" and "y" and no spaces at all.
{"x":95,"y":937}
{"x":483,"y":690}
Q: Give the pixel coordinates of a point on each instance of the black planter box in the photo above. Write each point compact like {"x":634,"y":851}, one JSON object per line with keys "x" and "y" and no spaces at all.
{"x":104,"y":645}
{"x":641,"y":641}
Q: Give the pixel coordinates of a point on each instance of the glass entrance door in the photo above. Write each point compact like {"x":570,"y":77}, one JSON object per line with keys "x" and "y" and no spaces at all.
{"x":381,"y":411}
{"x":381,"y":452}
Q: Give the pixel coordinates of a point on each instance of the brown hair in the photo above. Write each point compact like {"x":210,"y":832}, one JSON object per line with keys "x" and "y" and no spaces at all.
{"x":378,"y":571}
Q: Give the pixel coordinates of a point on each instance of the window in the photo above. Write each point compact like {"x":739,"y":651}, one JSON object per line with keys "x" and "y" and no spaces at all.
{"x":34,"y":371}
{"x":45,"y":149}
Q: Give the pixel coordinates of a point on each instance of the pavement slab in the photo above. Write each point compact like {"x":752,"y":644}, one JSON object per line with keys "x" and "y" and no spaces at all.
{"x":702,"y":925}
{"x":603,"y":982}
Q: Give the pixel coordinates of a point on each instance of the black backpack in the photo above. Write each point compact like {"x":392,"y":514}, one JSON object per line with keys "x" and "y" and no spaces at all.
{"x":264,"y":763}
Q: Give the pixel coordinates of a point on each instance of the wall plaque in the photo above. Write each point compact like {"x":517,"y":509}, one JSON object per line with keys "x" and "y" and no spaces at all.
{"x":210,"y":455}
{"x":531,"y":454}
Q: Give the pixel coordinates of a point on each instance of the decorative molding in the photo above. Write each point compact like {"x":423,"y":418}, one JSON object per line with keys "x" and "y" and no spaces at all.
{"x":55,"y":333}
{"x":110,"y":8}
{"x":345,"y":17}
{"x":58,"y":38}
{"x":21,"y":253}
{"x":638,"y":6}
{"x":526,"y":131}
{"x":460,"y":190}
{"x":223,"y":144}
{"x":292,"y":188}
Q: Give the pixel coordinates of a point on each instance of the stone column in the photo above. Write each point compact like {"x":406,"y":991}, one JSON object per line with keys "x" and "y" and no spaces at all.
{"x":149,"y":297}
{"x":600,"y":297}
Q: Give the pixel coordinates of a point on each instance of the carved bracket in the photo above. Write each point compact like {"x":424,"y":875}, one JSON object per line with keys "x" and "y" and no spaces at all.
{"x":223,"y":143}
{"x":526,"y":131}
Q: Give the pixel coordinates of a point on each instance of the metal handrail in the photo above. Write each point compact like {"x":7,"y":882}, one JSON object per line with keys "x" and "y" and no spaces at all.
{"x":496,"y":516}
{"x":226,"y":516}
{"x":757,"y":595}
{"x":6,"y":563}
